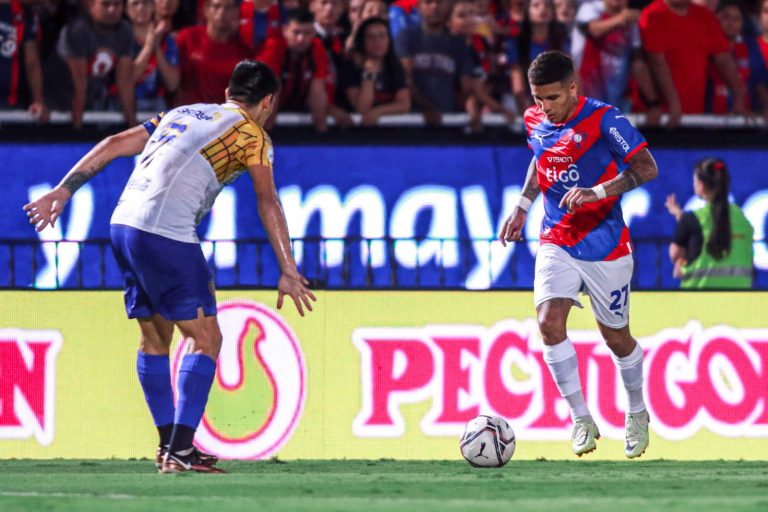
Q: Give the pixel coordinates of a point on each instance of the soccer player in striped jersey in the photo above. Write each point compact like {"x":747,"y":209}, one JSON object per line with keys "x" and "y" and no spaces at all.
{"x":586,"y":155}
{"x":187,"y":156}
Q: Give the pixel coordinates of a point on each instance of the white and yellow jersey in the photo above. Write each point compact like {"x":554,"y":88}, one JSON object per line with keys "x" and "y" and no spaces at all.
{"x":192,"y":153}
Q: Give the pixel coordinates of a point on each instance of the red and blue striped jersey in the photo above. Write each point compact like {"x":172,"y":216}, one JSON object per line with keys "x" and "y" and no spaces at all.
{"x":590,"y":148}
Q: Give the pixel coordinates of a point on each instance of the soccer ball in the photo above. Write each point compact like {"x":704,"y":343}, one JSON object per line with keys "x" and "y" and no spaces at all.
{"x":488,"y":442}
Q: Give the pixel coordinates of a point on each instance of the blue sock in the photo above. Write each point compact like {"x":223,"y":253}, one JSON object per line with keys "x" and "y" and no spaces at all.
{"x":195,"y":379}
{"x":155,"y":378}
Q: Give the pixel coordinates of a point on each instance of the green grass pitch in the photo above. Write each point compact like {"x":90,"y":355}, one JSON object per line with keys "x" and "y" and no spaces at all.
{"x":386,"y":485}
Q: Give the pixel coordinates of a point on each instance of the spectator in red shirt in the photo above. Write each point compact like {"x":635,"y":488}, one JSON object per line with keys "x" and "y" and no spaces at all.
{"x":20,"y":68}
{"x":327,"y":14}
{"x":749,"y":63}
{"x":679,"y":39}
{"x":299,"y":59}
{"x":762,"y":40}
{"x":260,"y":19}
{"x":208,"y":54}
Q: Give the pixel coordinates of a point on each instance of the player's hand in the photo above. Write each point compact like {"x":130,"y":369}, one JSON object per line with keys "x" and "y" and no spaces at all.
{"x":47,"y":209}
{"x":296,"y":287}
{"x":513,"y":227}
{"x":576,"y":197}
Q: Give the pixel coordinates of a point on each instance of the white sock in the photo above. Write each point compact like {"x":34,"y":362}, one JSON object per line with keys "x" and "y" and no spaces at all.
{"x":562,"y":363}
{"x":631,"y":369}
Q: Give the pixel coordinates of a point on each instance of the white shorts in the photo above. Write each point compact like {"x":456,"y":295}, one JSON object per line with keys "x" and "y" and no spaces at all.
{"x":558,"y":275}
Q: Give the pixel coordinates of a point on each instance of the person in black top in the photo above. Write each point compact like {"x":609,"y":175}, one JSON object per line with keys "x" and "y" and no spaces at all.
{"x":718,"y":232}
{"x":373,"y":79}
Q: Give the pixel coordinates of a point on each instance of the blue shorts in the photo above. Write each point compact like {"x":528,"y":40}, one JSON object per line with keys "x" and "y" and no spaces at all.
{"x":162,"y":276}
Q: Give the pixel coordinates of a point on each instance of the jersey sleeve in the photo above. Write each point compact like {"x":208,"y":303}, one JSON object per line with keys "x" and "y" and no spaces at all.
{"x":624,"y":140}
{"x":151,"y":124}
{"x":254,"y":147}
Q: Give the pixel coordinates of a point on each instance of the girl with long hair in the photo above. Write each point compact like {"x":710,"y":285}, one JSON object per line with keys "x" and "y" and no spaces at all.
{"x":712,"y":247}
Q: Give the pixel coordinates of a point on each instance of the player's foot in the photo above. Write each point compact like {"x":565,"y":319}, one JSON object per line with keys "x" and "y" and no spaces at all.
{"x":636,"y":434}
{"x":194,"y":461}
{"x":584,"y":435}
{"x":205,"y":458}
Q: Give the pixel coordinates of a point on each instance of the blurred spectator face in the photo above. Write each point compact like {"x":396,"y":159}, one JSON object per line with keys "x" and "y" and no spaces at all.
{"x":292,"y":4}
{"x":565,"y":12}
{"x":298,"y":36}
{"x":165,"y":9}
{"x":540,"y":11}
{"x":432,"y":12}
{"x":462,"y":19}
{"x":731,"y":21}
{"x":222,"y":16}
{"x":106,"y":12}
{"x":376,"y":40}
{"x":764,"y":17}
{"x":375,"y":9}
{"x":355,"y":12}
{"x":140,"y":11}
{"x":326,"y":12}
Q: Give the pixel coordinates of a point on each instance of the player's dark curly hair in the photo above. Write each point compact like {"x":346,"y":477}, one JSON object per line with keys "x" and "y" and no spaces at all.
{"x":713,"y":174}
{"x":252,"y":81}
{"x":550,"y":67}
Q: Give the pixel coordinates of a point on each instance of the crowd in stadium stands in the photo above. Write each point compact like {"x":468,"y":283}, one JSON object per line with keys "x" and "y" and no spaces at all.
{"x":337,"y":57}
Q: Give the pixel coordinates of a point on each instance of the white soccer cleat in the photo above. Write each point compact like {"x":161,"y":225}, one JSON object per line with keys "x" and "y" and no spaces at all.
{"x":636,"y":434}
{"x":584,"y":436}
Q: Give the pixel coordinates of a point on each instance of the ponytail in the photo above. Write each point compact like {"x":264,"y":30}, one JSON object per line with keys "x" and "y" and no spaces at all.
{"x":713,"y":174}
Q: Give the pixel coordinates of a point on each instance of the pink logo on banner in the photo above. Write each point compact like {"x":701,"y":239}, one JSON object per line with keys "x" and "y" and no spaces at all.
{"x":276,"y":349}
{"x":28,"y":384}
{"x":695,"y":378}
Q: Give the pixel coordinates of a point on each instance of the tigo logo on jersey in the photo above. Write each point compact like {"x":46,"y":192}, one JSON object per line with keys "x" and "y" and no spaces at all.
{"x":28,"y":383}
{"x":258,"y":394}
{"x":569,"y":176}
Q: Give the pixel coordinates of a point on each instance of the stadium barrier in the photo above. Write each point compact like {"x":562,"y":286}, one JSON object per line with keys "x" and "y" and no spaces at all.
{"x":384,"y":374}
{"x":443,"y":202}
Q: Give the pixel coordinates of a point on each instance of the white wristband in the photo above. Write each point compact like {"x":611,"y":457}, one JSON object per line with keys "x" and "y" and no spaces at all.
{"x":524,"y":203}
{"x":599,"y":190}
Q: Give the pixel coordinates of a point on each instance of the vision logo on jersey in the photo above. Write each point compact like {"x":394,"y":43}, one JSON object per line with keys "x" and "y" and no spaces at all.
{"x":258,"y":395}
{"x":28,"y":383}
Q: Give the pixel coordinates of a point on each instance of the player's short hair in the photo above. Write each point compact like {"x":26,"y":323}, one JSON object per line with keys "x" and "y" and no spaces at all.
{"x":549,"y":68}
{"x":252,"y":81}
{"x":300,"y":16}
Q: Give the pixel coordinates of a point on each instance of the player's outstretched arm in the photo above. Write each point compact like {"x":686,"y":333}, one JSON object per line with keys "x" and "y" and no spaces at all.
{"x":291,"y":283}
{"x":48,"y":208}
{"x":642,"y":169}
{"x":513,"y":226}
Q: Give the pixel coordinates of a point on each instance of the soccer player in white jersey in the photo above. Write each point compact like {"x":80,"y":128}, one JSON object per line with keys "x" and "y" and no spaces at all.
{"x":187,"y":156}
{"x":586,"y":154}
